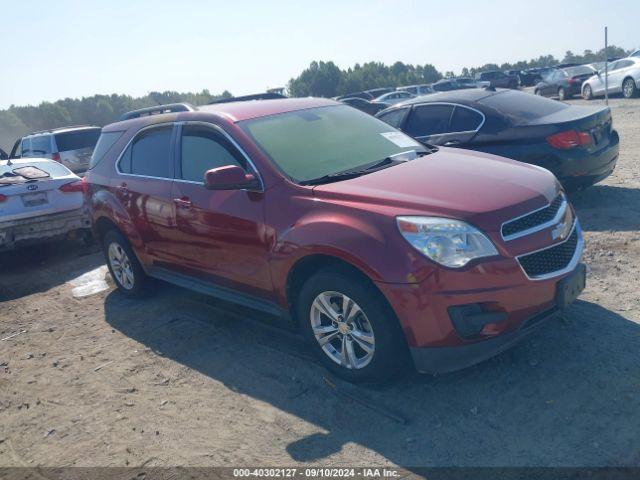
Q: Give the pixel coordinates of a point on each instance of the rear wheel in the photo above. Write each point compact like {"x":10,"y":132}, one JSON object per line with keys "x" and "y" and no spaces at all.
{"x":562,"y":94}
{"x":123,"y":264}
{"x":353,"y":331}
{"x":629,"y":89}
{"x":587,"y":93}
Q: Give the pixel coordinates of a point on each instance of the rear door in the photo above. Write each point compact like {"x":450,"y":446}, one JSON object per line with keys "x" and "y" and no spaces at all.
{"x":444,"y":124}
{"x":222,"y":234}
{"x":38,"y":146}
{"x":143,"y":187}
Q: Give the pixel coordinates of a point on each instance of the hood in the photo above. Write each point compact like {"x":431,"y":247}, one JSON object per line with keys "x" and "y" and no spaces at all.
{"x":483,"y":189}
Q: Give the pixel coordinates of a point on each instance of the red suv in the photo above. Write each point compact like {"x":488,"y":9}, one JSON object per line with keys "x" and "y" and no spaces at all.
{"x":385,"y":251}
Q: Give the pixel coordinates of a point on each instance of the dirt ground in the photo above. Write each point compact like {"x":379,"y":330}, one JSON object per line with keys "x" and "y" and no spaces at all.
{"x":181,"y":379}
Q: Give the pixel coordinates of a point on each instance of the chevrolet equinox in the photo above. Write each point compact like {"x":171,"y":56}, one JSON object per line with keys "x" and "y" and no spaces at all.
{"x":386,"y":252}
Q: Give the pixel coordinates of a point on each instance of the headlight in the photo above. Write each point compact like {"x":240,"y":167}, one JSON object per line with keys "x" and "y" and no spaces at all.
{"x":449,"y":242}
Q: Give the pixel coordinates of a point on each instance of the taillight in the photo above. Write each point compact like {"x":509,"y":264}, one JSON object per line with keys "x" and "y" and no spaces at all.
{"x":569,"y":139}
{"x":3,"y":198}
{"x":72,"y":187}
{"x":55,"y":157}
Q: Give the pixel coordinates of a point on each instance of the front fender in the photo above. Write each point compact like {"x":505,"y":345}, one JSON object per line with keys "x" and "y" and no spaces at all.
{"x":374,"y":247}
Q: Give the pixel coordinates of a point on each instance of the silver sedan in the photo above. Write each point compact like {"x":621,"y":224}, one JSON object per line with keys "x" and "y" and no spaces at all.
{"x":623,"y":77}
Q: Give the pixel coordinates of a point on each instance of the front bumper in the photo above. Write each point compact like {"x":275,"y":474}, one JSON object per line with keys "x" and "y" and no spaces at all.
{"x":449,"y":359}
{"x":495,"y":300}
{"x":41,"y":229}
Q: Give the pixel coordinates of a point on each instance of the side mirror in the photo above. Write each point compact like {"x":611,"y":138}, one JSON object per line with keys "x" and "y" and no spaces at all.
{"x":229,"y":177}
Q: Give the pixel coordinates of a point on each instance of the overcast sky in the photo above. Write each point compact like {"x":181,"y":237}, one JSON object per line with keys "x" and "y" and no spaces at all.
{"x":72,"y":48}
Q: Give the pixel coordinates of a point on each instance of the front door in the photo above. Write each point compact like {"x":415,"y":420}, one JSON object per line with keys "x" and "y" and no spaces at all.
{"x":222,"y":234}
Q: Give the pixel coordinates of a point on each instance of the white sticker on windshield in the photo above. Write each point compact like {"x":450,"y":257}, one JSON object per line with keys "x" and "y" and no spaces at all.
{"x":400,"y":139}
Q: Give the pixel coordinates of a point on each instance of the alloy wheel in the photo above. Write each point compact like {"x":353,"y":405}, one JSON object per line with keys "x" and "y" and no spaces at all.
{"x":628,"y":89}
{"x":342,"y":330}
{"x":586,"y":93}
{"x":121,"y":266}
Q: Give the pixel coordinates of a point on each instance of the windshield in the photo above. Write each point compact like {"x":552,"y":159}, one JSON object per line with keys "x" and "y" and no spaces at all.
{"x":309,"y":144}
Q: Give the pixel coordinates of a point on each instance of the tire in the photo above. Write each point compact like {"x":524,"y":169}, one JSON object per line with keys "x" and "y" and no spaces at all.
{"x":562,"y":94}
{"x":125,"y":269}
{"x":360,"y":324}
{"x":587,"y":93}
{"x":629,"y":89}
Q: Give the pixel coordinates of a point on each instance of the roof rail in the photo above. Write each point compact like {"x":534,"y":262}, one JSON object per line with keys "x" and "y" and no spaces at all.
{"x":157,"y":110}
{"x":53,"y":130}
{"x":246,"y":98}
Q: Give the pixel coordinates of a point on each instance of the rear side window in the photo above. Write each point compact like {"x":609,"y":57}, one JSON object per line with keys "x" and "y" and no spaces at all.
{"x":105,"y":142}
{"x":77,"y":140}
{"x":150,"y":154}
{"x":38,"y":146}
{"x":428,"y":120}
{"x":521,"y":107}
{"x":465,"y":120}
{"x":203,"y":149}
{"x":394,"y":117}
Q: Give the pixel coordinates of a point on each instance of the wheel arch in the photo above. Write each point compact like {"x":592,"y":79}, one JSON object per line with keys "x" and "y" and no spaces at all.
{"x":312,"y":264}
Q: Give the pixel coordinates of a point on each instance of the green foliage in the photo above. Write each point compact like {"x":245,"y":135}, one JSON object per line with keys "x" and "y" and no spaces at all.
{"x":325,"y":79}
{"x":96,"y":110}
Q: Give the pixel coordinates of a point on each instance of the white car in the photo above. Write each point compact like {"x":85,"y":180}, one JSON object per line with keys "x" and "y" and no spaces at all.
{"x":392,"y":98}
{"x":40,"y":200}
{"x":635,"y":54}
{"x":623,"y":77}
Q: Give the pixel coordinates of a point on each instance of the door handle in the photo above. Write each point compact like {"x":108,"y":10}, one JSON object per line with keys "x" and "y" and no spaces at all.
{"x":183,"y":202}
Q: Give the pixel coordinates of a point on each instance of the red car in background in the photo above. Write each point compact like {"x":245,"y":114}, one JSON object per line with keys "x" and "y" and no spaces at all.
{"x":384,"y":251}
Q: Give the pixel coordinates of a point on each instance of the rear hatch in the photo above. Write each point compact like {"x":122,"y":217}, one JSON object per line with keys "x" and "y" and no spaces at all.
{"x":20,"y":199}
{"x":75,"y":147}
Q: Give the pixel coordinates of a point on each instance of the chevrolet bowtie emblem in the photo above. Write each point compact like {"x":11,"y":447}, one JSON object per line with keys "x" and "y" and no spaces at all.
{"x":560,"y":231}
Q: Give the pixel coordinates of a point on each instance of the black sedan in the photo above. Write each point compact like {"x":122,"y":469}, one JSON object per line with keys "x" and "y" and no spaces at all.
{"x":577,"y":143}
{"x":564,"y":83}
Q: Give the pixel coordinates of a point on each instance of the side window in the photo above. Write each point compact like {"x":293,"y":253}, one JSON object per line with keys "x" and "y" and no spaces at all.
{"x":40,"y":145}
{"x":204,"y":148}
{"x":26,"y":147}
{"x":428,"y":120}
{"x":465,"y":120}
{"x":395,"y":117}
{"x":150,"y":154}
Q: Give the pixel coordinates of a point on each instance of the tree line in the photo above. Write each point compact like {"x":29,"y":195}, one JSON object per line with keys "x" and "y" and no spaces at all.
{"x":95,"y":110}
{"x":323,"y":79}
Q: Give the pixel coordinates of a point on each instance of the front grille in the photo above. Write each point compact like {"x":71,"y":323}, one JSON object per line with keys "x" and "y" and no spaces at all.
{"x":532,"y":220}
{"x":552,"y":259}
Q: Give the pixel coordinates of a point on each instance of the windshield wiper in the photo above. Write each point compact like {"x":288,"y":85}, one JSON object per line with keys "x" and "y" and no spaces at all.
{"x":362,"y":170}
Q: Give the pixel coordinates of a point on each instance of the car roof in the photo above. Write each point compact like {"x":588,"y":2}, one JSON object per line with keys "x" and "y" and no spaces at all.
{"x":465,"y":96}
{"x":232,"y":111}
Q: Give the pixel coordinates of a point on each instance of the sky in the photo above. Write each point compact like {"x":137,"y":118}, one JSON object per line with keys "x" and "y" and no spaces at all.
{"x":71,"y":48}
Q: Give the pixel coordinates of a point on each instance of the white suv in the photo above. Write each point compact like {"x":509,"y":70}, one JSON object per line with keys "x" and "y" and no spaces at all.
{"x":71,"y":146}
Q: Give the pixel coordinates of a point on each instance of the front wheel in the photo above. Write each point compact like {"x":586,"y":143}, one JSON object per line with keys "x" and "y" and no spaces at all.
{"x":629,"y":88}
{"x":587,"y":93}
{"x":353,"y":331}
{"x":123,"y":265}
